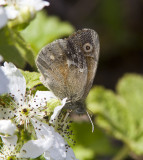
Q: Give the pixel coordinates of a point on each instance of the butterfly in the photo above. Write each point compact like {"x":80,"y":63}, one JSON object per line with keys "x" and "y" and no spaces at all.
{"x":68,"y":67}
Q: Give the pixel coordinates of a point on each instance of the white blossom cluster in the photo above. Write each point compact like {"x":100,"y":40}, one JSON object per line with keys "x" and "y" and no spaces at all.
{"x":27,"y":130}
{"x":20,"y":9}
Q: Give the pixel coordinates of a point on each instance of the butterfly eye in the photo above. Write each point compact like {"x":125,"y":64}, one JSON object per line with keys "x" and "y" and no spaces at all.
{"x":87,"y":47}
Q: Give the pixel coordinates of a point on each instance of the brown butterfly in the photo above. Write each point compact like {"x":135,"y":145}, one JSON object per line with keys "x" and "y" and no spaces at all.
{"x":68,"y":67}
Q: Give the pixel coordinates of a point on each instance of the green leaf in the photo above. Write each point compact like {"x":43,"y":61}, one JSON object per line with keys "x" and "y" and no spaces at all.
{"x":32,"y":78}
{"x":130,"y":87}
{"x":44,"y":29}
{"x":110,"y":111}
{"x":38,"y":158}
{"x":14,"y":49}
{"x":40,"y":87}
{"x":52,"y":103}
{"x":121,"y":114}
{"x":8,"y":50}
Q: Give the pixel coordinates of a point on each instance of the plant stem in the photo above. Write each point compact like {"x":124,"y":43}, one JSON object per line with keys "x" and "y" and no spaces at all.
{"x":122,"y":153}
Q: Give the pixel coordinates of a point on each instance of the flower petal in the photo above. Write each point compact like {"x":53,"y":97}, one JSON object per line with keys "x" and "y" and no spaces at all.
{"x":7,"y":127}
{"x":5,"y":113}
{"x":12,"y":81}
{"x":3,"y":17}
{"x":34,"y":148}
{"x":70,"y":155}
{"x":40,"y":99}
{"x":33,"y":4}
{"x":41,"y":5}
{"x":58,"y":150}
{"x":42,"y":129}
{"x":10,"y":140}
{"x":57,"y":111}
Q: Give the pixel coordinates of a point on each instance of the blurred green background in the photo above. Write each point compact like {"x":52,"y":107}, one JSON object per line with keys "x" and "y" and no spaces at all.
{"x":116,"y":99}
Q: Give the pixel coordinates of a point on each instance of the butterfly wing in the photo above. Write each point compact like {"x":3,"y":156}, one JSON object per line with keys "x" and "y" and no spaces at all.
{"x":63,"y":70}
{"x":87,"y":42}
{"x":68,"y":66}
{"x":92,"y":58}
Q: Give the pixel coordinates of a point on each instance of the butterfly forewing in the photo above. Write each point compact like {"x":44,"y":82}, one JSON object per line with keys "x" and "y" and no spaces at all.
{"x":60,"y":73}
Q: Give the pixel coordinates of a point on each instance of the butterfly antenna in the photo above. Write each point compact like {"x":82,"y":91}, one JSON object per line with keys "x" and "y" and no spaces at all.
{"x":90,"y":121}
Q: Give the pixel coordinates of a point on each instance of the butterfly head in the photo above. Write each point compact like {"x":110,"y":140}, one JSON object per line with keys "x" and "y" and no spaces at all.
{"x":78,"y":107}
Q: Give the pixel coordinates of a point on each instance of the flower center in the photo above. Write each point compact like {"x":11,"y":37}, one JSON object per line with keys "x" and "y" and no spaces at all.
{"x":11,"y":158}
{"x":25,"y":111}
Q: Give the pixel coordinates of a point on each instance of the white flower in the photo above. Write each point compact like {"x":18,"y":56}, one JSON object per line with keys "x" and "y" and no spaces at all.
{"x":11,"y":12}
{"x":3,"y":17}
{"x":23,"y":107}
{"x":15,"y":7}
{"x":33,"y":4}
{"x":9,"y":152}
{"x":8,"y":149}
{"x":49,"y":142}
{"x":3,"y":2}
